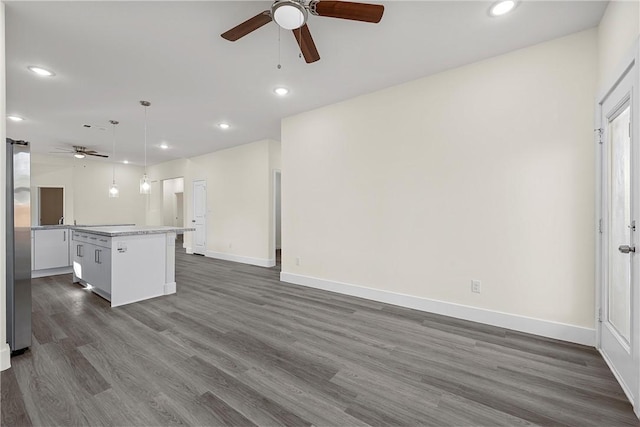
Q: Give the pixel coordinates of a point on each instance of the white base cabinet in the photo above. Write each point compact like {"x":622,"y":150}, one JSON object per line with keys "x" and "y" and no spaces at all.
{"x":50,"y":252}
{"x":51,"y":249}
{"x":92,"y":262}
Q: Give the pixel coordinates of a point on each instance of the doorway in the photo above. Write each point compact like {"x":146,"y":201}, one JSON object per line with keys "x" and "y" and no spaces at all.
{"x":50,"y":205}
{"x":619,"y":199}
{"x":172,"y":206}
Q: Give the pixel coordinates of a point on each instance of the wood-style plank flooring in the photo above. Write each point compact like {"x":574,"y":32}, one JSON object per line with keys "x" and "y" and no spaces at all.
{"x":236,"y":347}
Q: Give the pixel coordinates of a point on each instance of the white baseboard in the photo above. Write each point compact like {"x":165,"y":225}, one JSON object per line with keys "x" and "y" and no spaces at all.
{"x":189,"y":250}
{"x":170,"y":288}
{"x":545,"y":328}
{"x":260,"y":262}
{"x":5,"y":356}
{"x":51,"y":272}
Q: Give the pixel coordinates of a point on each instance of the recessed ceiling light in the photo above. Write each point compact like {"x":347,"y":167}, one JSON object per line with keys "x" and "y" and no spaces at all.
{"x":79,"y":156}
{"x":224,"y":126}
{"x":502,"y":7}
{"x":282,"y":91}
{"x":126,"y":162}
{"x":164,"y":146}
{"x":41,"y":71}
{"x":15,"y":118}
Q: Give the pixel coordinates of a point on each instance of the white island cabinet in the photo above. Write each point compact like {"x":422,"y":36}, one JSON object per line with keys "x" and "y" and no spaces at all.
{"x":126,"y":264}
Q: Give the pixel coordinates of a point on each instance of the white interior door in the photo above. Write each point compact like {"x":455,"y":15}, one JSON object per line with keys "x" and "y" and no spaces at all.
{"x":619,"y":320}
{"x":199,"y":217}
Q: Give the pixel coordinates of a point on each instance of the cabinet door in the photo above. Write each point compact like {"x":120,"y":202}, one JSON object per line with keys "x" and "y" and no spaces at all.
{"x":103,"y":276}
{"x":51,"y":249}
{"x":89,"y":264}
{"x":79,"y":250}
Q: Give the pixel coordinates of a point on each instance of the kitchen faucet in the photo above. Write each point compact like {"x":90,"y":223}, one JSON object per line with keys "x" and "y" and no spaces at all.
{"x":60,"y":220}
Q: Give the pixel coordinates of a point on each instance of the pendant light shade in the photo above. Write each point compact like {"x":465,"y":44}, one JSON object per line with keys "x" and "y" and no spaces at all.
{"x":113,"y":188}
{"x":145,"y":185}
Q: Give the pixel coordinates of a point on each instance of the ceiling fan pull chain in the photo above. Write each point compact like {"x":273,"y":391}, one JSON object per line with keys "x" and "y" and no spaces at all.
{"x":279,"y":49}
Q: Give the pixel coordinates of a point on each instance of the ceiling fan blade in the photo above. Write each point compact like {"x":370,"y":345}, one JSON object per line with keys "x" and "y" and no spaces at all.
{"x":348,"y":10}
{"x":87,"y":151}
{"x":94,"y":154}
{"x":247,"y":26}
{"x":307,"y":46}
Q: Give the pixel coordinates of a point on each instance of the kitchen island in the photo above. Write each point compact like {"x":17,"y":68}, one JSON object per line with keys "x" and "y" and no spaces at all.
{"x":51,"y":249}
{"x":125,"y":264}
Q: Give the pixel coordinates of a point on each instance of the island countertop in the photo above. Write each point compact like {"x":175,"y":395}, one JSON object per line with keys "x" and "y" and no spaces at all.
{"x":130,"y":230}
{"x":62,"y":226}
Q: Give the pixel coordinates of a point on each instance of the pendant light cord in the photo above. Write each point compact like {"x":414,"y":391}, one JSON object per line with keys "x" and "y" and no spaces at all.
{"x":145,"y":139}
{"x":113,"y":148}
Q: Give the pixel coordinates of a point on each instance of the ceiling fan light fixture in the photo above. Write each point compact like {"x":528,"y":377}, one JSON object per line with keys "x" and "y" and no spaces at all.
{"x":289,"y":14}
{"x":79,"y":156}
{"x":281,"y":91}
{"x":502,"y":7}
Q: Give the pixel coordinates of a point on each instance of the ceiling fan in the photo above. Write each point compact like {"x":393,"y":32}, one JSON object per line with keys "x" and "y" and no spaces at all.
{"x":293,"y":14}
{"x":79,"y":152}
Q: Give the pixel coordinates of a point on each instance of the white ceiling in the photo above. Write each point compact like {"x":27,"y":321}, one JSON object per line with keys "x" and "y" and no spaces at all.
{"x":109,"y":55}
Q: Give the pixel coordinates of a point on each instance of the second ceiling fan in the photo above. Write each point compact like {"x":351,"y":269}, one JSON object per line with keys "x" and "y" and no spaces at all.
{"x":293,"y":14}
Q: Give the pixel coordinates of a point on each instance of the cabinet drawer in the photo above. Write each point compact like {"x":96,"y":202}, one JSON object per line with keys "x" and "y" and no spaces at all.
{"x":102,"y":241}
{"x":80,"y":237}
{"x":94,"y":239}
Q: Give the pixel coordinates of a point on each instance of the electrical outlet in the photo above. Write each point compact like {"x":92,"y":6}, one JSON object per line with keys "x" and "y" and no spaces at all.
{"x":298,"y":261}
{"x":476,"y":286}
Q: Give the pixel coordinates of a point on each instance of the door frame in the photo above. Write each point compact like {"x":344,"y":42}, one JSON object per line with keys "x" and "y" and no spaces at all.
{"x":36,"y":205}
{"x":191,"y":250}
{"x":273,"y":211}
{"x":630,"y":64}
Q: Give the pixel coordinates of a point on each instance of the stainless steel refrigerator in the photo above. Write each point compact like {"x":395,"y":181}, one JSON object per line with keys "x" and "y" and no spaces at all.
{"x":18,"y":245}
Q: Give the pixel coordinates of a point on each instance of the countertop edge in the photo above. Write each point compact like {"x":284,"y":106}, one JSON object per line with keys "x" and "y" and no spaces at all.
{"x":177,"y":230}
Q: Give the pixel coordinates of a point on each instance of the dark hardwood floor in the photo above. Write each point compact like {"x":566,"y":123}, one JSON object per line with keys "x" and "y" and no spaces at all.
{"x":236,"y":347}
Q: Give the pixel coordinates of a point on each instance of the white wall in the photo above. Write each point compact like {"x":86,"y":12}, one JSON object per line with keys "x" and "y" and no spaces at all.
{"x":618,"y":31}
{"x":86,"y":183}
{"x":482,"y":172}
{"x":5,"y":352}
{"x":238,"y":201}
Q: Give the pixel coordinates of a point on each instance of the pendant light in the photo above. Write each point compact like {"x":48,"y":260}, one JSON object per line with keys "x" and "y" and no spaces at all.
{"x":145,"y":185}
{"x":113,"y":188}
